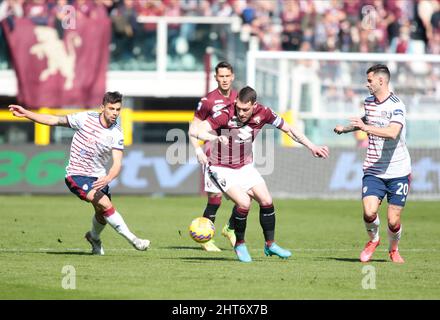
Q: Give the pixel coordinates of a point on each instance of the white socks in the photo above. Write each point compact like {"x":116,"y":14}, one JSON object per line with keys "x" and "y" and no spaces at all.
{"x":394,"y":238}
{"x":97,"y":228}
{"x":118,"y":223}
{"x":373,"y":229}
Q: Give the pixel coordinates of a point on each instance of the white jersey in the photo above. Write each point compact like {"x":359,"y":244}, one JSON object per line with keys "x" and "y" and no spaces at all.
{"x":386,"y":158}
{"x":92,"y":144}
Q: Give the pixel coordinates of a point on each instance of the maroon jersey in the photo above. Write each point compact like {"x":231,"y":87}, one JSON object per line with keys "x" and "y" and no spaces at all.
{"x":241,"y":135}
{"x":213,"y":102}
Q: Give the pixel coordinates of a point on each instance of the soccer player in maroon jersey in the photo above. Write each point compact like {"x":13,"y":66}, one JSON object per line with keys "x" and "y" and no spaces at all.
{"x":231,"y":164}
{"x":213,"y":102}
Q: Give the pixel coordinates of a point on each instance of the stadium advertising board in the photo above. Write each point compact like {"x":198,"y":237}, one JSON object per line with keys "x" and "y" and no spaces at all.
{"x":145,"y":170}
{"x":149,"y":169}
{"x":298,"y":175}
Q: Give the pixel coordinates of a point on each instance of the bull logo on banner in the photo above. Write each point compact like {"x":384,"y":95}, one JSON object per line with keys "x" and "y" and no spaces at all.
{"x":59,"y":59}
{"x":57,"y":68}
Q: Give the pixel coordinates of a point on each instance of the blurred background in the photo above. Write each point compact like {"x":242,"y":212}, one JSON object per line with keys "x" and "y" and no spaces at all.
{"x":306,"y":59}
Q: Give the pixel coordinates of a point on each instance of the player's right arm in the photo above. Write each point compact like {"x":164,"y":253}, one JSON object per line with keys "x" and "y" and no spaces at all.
{"x":201,"y":156}
{"x":203,"y":132}
{"x":46,"y":119}
{"x":339,"y":129}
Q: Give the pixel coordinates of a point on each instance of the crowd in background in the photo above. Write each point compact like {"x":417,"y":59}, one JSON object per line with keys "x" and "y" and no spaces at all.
{"x":401,"y":26}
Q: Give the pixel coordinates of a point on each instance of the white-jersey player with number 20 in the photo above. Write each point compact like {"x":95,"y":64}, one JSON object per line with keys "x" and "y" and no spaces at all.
{"x":387,"y":165}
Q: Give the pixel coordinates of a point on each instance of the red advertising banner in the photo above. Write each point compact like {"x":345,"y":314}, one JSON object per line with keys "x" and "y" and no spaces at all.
{"x":54,"y":72}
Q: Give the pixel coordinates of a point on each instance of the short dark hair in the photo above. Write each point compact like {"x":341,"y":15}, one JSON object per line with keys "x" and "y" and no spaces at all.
{"x":224,"y":64}
{"x":112,"y":98}
{"x":247,"y":94}
{"x":380,"y":68}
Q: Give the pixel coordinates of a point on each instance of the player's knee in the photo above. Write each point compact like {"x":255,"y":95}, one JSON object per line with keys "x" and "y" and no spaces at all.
{"x":267,"y":202}
{"x":393,"y":222}
{"x":244,"y":204}
{"x":370,"y":211}
{"x":215,"y":198}
{"x":370,"y":216}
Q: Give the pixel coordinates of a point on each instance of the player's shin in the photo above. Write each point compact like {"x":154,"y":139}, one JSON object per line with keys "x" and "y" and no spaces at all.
{"x":211,"y":208}
{"x":394,"y":234}
{"x":98,"y":224}
{"x":267,"y":222}
{"x":231,"y":222}
{"x":114,"y":219}
{"x":240,"y":219}
{"x":372,"y":226}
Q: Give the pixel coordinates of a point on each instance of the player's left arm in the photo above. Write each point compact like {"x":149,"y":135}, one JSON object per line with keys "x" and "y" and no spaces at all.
{"x":112,"y":173}
{"x":296,"y":135}
{"x":390,"y":132}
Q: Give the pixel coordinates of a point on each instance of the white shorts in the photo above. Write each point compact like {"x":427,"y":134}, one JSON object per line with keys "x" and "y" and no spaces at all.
{"x":246,"y":178}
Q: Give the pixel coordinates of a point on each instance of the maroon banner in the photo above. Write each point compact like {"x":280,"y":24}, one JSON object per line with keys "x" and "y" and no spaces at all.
{"x":54,"y":72}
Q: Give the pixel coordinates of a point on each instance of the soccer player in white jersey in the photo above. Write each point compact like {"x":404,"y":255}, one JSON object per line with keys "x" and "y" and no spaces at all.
{"x":387,"y":166}
{"x":98,"y":137}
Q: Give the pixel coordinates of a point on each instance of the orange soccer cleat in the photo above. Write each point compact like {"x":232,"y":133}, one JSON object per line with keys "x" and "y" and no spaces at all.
{"x":395,"y":256}
{"x":368,"y":251}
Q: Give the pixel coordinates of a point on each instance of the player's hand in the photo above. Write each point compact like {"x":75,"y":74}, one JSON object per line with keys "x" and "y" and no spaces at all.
{"x":202,"y":158}
{"x":101,"y":183}
{"x":320,"y":152}
{"x":339,"y":129}
{"x":17,"y":110}
{"x":357,"y":123}
{"x":223,"y":140}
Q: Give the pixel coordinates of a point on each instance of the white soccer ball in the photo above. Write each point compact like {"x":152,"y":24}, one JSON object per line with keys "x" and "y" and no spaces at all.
{"x":201,"y":229}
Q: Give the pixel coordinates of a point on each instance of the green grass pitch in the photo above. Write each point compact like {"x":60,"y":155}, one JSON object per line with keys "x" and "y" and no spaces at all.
{"x":41,"y":234}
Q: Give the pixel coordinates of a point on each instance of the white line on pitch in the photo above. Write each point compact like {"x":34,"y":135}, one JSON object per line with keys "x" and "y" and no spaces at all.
{"x":129,"y":249}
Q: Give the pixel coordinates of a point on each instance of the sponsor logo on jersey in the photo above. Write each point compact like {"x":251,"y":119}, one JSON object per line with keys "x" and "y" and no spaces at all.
{"x":218,"y":101}
{"x":215,"y":115}
{"x":245,"y":133}
{"x":257,"y":120}
{"x":218,"y":107}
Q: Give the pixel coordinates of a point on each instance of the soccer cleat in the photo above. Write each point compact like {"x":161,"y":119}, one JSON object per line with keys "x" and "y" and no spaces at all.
{"x":97,"y":248}
{"x":242,"y":253}
{"x":230,"y":234}
{"x":395,"y":256}
{"x":275,"y":249}
{"x":210,"y":246}
{"x":368,"y":251}
{"x":141,"y":244}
